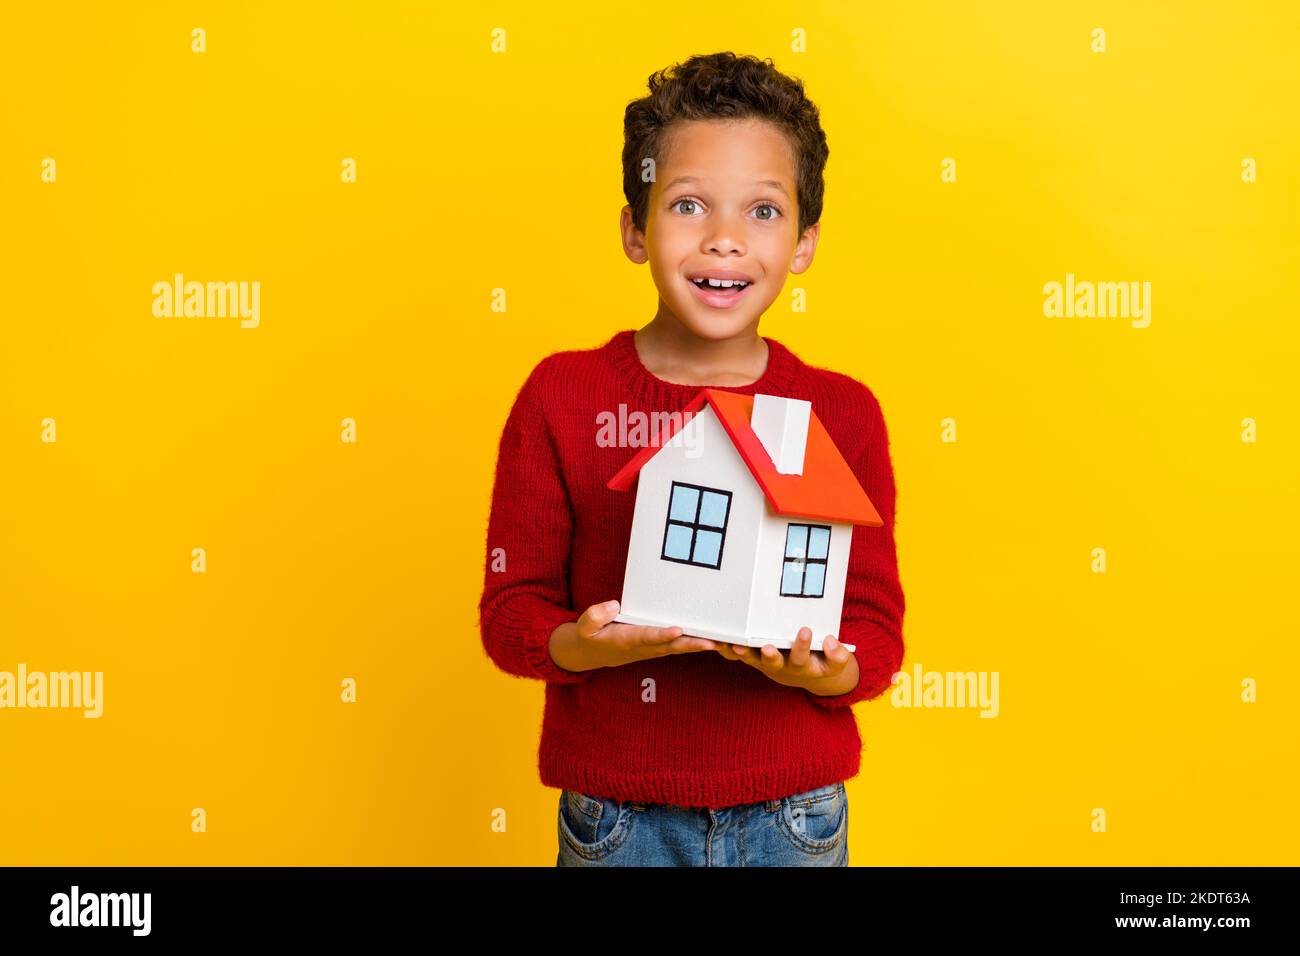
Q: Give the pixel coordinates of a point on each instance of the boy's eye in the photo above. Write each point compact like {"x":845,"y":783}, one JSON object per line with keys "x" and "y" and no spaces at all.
{"x":689,"y":207}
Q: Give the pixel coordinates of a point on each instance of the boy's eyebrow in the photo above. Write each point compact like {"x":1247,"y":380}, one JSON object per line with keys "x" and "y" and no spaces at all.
{"x":761,"y":182}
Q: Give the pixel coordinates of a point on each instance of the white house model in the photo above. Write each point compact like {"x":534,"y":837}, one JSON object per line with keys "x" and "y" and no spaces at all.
{"x":744,"y":516}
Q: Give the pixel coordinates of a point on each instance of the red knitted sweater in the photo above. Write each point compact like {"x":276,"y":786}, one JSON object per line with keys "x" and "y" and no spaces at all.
{"x":717,"y":732}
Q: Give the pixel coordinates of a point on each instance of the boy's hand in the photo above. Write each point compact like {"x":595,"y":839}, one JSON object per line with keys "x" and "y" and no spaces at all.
{"x":832,"y":670}
{"x":596,"y":640}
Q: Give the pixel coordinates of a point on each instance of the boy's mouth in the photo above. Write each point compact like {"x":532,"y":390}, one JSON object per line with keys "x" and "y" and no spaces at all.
{"x":719,"y":293}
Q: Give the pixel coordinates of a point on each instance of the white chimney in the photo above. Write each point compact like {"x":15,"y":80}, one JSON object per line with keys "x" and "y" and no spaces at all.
{"x":781,"y":424}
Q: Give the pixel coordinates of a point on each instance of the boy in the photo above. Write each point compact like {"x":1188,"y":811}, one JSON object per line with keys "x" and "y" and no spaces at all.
{"x":671,"y":749}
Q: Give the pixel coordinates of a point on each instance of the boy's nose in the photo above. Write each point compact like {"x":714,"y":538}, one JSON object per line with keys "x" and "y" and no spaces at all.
{"x":725,"y":239}
{"x":726,"y":232}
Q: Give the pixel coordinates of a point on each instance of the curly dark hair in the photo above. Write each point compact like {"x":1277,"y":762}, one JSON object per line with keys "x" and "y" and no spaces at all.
{"x":724,"y":86}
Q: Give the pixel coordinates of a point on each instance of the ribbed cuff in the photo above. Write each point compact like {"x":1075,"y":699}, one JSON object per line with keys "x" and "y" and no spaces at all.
{"x":533,"y":636}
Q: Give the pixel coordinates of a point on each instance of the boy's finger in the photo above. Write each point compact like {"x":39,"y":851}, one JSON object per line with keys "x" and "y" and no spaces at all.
{"x":772,"y":659}
{"x":800,"y":653}
{"x":754,"y":657}
{"x":685,"y":645}
{"x":596,"y":617}
{"x":646,"y":634}
{"x":837,"y":655}
{"x":746,"y":655}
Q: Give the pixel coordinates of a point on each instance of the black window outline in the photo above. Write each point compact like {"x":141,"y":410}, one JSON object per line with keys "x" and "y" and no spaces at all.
{"x":695,"y":525}
{"x":805,"y":561}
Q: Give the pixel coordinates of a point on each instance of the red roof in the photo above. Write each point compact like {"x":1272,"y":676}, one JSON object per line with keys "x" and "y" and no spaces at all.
{"x":827,"y":489}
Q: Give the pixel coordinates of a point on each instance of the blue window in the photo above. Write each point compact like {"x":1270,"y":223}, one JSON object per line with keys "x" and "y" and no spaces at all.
{"x":697,"y":525}
{"x":807,"y":549}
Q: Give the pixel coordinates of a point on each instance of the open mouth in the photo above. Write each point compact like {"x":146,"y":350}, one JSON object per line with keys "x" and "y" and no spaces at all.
{"x":720,"y":291}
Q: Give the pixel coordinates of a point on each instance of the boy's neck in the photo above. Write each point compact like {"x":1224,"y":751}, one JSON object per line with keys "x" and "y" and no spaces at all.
{"x":674,"y":353}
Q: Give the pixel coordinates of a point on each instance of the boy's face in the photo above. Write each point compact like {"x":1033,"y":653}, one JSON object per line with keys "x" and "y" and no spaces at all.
{"x":723,"y":204}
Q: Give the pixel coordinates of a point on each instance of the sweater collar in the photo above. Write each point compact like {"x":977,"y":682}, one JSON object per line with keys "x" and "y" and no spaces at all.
{"x":777,"y":378}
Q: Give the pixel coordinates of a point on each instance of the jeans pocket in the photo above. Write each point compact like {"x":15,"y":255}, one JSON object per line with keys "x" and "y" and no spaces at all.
{"x":816,"y":821}
{"x":592,"y":827}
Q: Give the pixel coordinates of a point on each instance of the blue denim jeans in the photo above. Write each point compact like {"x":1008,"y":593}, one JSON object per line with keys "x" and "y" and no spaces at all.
{"x":805,"y":829}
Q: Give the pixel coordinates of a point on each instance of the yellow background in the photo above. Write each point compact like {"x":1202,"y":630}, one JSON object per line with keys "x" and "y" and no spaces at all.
{"x":479,"y":170}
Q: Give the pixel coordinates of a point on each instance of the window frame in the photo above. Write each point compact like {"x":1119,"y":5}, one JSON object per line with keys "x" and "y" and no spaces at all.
{"x":695,"y":526}
{"x":805,"y":560}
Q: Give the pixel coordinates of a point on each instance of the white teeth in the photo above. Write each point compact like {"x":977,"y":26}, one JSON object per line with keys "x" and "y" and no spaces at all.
{"x":722,"y":283}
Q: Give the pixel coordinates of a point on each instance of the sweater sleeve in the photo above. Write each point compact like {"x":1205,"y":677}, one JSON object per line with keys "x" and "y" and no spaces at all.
{"x":872,"y":618}
{"x":526,"y":587}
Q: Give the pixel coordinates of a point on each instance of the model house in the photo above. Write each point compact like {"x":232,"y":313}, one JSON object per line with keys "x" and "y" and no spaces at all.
{"x":743,"y":519}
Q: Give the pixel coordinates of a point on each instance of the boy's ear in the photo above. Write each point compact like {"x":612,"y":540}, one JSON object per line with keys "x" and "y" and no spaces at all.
{"x":804,"y":249}
{"x":633,"y":238}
